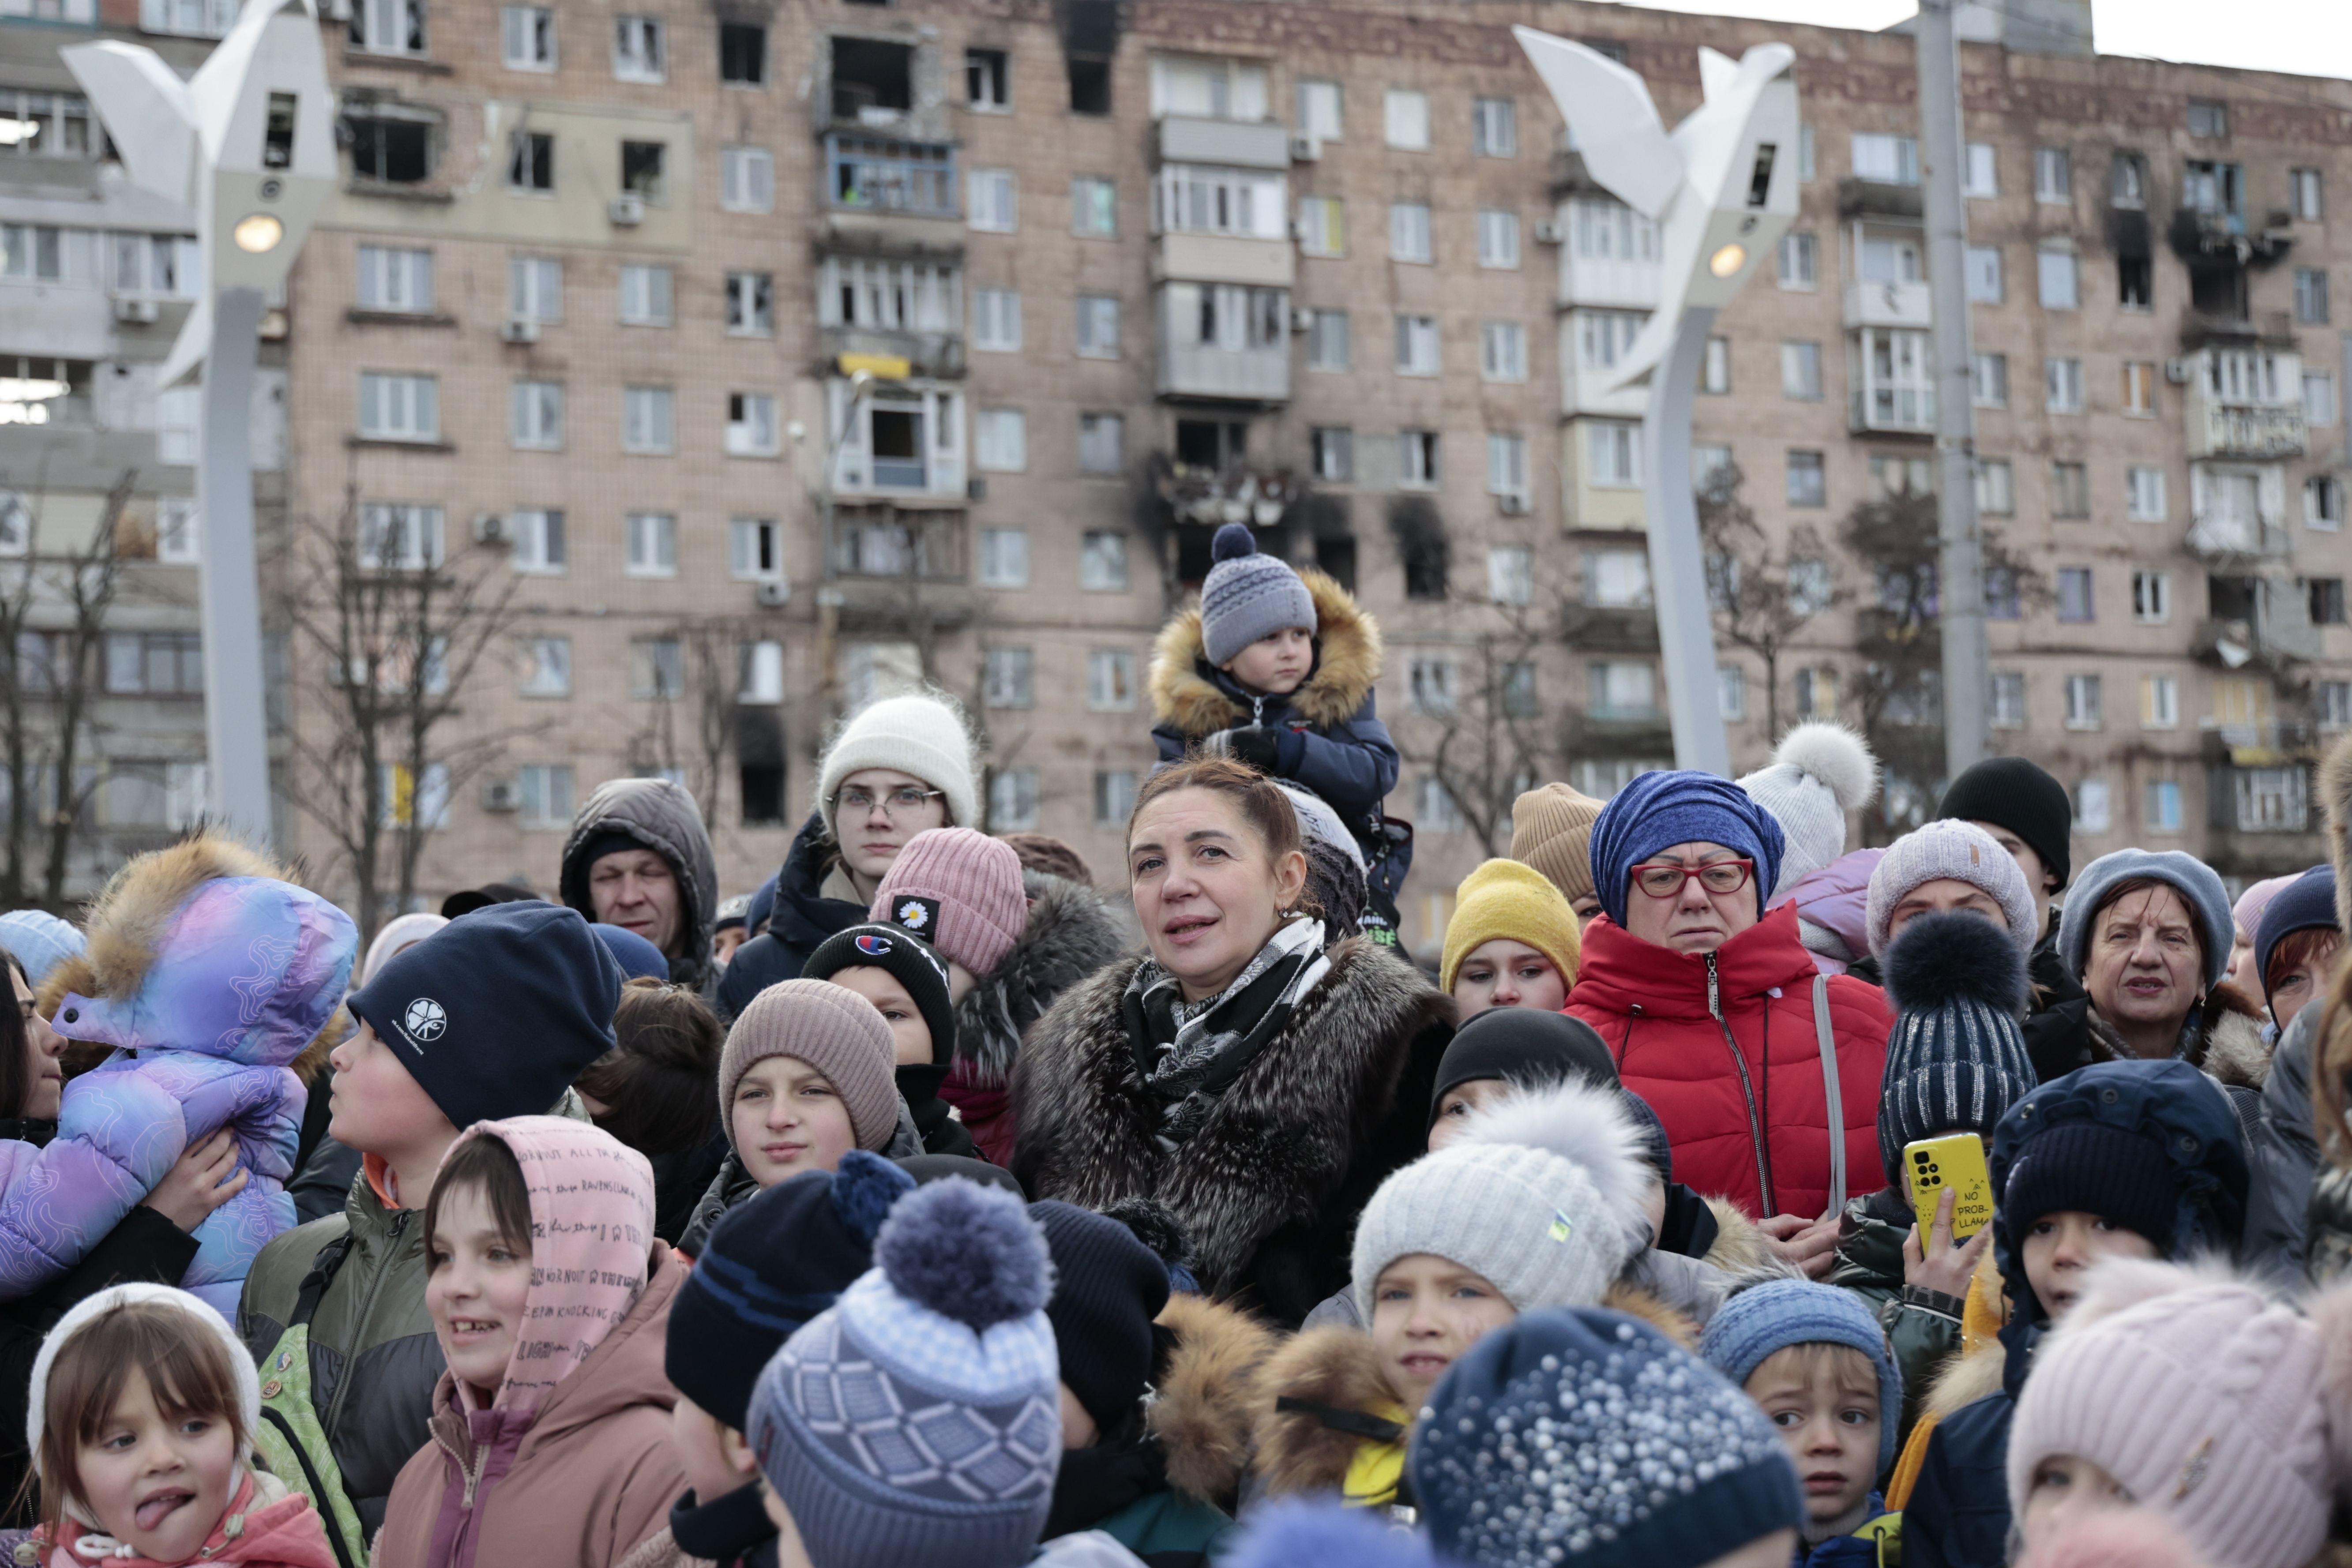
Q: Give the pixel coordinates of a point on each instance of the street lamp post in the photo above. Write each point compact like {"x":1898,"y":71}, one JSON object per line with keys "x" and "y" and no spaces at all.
{"x":1722,"y":188}
{"x":248,"y":142}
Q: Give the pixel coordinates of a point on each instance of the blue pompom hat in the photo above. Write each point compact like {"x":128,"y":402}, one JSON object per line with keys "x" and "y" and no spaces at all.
{"x":1754,"y":1325}
{"x":920,"y":1420}
{"x":1248,"y":596}
{"x":1680,"y":806}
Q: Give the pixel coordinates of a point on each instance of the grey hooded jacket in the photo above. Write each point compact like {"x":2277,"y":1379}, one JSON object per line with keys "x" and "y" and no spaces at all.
{"x":663,"y":817}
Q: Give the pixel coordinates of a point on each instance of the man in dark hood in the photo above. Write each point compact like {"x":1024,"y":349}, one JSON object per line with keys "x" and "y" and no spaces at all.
{"x":638,"y":857}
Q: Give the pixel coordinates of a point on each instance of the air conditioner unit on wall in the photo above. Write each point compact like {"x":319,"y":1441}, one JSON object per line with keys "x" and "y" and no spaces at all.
{"x":522,"y":329}
{"x":489,"y":528}
{"x":628,"y":211}
{"x":1513,"y":506}
{"x":775,"y":593}
{"x":2176,"y":371}
{"x":141,"y":312}
{"x":500,"y":795}
{"x":1549,"y":233}
{"x":1302,"y":320}
{"x":1306,"y":149}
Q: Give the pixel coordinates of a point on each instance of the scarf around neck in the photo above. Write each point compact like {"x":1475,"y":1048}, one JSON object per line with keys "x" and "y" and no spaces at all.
{"x":1188,"y":1053}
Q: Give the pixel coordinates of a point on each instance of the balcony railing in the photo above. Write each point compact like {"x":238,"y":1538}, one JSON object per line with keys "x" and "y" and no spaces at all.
{"x":873,"y":174}
{"x":2265,"y":431}
{"x":1907,"y":409}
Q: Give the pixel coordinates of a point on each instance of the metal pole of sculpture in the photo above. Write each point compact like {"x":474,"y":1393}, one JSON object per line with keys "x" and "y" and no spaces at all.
{"x":1722,"y":188}
{"x":248,"y":142}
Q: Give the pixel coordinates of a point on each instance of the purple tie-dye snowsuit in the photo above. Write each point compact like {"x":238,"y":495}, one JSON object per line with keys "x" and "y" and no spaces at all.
{"x":244,"y":974}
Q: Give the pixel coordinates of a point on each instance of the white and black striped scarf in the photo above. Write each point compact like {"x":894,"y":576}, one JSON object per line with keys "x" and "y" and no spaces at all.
{"x":1188,"y":1053}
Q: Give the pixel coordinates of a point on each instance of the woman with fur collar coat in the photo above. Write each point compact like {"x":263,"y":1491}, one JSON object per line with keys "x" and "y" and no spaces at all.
{"x":1257,"y":1085}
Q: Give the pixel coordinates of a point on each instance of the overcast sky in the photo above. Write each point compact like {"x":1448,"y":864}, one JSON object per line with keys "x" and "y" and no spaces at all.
{"x":2312,"y":37}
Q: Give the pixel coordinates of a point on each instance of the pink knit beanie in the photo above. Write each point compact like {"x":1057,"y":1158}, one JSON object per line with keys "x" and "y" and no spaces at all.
{"x":835,"y":1030}
{"x":2114,"y":1538}
{"x":2201,"y":1395}
{"x":958,"y":889}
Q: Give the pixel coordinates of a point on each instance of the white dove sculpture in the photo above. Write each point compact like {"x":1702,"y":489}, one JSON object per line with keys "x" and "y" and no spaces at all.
{"x":248,"y":142}
{"x":1722,"y":186}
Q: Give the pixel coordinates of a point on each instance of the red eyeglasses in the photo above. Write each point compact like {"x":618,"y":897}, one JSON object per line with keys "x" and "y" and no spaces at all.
{"x":1715,"y":877}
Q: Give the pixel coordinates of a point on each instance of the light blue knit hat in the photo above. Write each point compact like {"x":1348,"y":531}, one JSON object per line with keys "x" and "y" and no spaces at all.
{"x":41,"y":941}
{"x":1762,"y":1319}
{"x":2197,"y":884}
{"x":919,"y":1419}
{"x":1248,"y":596}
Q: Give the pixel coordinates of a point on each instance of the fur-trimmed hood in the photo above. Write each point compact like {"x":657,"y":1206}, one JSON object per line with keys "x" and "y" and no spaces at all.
{"x":1203,"y":1415}
{"x":1069,"y":936}
{"x":1198,"y":698}
{"x":314,"y":945}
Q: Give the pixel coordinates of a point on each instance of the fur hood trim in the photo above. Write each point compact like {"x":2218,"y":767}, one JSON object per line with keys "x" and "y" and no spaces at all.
{"x":1348,"y":665}
{"x":1740,"y":1246}
{"x":1070,"y":933}
{"x":126,"y":923}
{"x":1586,"y":1126}
{"x":2228,"y":1046}
{"x":1202,"y":1414}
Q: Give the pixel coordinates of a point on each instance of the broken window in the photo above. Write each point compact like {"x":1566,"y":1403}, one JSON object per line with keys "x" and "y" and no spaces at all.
{"x":1211,"y":444}
{"x":388,"y":26}
{"x":1089,"y":84}
{"x":277,"y":133}
{"x":1089,"y":40}
{"x":1422,"y":545}
{"x":987,"y":79}
{"x":397,"y":151}
{"x":531,"y":164}
{"x":641,"y":169}
{"x":2216,"y":189}
{"x":638,"y":49}
{"x":2134,"y":279}
{"x":872,"y":80}
{"x":742,"y":54}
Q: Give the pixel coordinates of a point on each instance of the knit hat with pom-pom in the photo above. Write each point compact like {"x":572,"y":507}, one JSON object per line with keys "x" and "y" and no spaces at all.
{"x":1956,"y":1060}
{"x":1248,"y":596}
{"x":2198,"y":1392}
{"x":919,"y":1419}
{"x":1821,"y":772}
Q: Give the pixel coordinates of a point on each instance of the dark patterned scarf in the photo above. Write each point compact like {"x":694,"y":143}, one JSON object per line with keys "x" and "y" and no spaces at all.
{"x":1189,"y":1055}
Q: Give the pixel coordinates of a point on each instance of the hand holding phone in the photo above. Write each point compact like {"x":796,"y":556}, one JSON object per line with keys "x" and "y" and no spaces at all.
{"x":1955,"y":1163}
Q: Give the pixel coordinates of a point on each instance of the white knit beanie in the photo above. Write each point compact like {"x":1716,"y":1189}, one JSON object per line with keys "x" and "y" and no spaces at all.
{"x":1541,"y":1196}
{"x":922,"y":735}
{"x":1821,"y":772}
{"x":240,"y":1360}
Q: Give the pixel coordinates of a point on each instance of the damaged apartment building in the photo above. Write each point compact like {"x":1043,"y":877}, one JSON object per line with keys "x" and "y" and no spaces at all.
{"x":778,"y":356}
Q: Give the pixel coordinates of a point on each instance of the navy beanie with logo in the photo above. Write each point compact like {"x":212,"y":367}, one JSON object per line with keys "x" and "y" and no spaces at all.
{"x":496,"y":1013}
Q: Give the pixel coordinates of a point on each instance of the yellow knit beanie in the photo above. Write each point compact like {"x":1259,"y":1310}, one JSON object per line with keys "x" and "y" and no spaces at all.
{"x":1552,"y":830}
{"x":1512,"y":900}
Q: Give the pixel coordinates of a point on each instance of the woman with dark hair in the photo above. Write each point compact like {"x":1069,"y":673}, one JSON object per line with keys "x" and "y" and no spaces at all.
{"x":657,"y":1092}
{"x":1256,"y":1083}
{"x":151,"y":1243}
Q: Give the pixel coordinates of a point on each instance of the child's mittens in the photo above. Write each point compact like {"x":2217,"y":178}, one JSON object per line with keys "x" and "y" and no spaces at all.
{"x":1254,"y":745}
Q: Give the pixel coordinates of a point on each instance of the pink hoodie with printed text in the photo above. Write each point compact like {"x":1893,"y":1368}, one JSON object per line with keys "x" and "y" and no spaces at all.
{"x":572,"y":1460}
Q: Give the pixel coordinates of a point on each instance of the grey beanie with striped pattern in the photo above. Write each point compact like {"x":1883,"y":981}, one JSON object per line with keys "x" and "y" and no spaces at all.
{"x":1956,"y":1061}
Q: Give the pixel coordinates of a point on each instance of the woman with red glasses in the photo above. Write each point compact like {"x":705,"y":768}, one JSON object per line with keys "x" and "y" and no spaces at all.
{"x":1765,"y":1071}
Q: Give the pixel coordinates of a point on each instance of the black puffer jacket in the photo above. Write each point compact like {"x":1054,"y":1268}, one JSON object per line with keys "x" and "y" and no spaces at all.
{"x":2055,"y":1030}
{"x":664,"y":817}
{"x":798,"y":924}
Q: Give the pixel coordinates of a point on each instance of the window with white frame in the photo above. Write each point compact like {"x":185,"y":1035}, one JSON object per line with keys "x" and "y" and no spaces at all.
{"x":889,"y":296}
{"x":39,"y":253}
{"x":1800,"y":371}
{"x":388,"y":26}
{"x":400,"y":408}
{"x":2318,"y":398}
{"x":168,"y":266}
{"x":1005,"y":557}
{"x":2083,"y":702}
{"x":1996,"y":488}
{"x":1333,"y":448}
{"x":1799,"y":261}
{"x":2310,"y":295}
{"x":1001,"y":440}
{"x":1097,"y":328}
{"x":1617,"y":578}
{"x":652,"y":541}
{"x":2062,"y":385}
{"x":537,"y":416}
{"x":1730,"y":693}
{"x":750,"y":424}
{"x":2164,"y":805}
{"x":1603,"y":336}
{"x":2272,"y":799}
{"x":1101,"y":449}
{"x":2059,"y":274}
{"x":2160,"y":702}
{"x":1502,"y":351}
{"x":2053,"y":177}
{"x":2322,"y":502}
{"x":1494,"y":128}
{"x":395,"y":279}
{"x":1982,"y":268}
{"x":538,"y":535}
{"x":1416,"y":346}
{"x":1205,"y":199}
{"x":1102,"y":562}
{"x":1114,"y":797}
{"x":535,"y":288}
{"x":1621,"y":689}
{"x":2139,"y":389}
{"x":649,"y":422}
{"x":1322,"y":226}
{"x":1417,"y":459}
{"x":991,"y":203}
{"x":1435,"y":682}
{"x":1891,"y":477}
{"x":1210,"y":87}
{"x":2334,"y":705}
{"x":2070,"y":490}
{"x":1715,"y":368}
{"x":751,"y":304}
{"x":640,"y":49}
{"x":1110,"y":680}
{"x":527,"y":35}
{"x":1012,"y":800}
{"x":1507,"y":470}
{"x":644,"y":295}
{"x":2151,"y":597}
{"x":1498,"y":237}
{"x":400,"y":537}
{"x":1885,"y":258}
{"x":1008,"y":678}
{"x":1884,"y":159}
{"x":2144,"y":496}
{"x":2008,"y":704}
{"x":1408,"y":235}
{"x":747,"y":179}
{"x":987,"y":81}
{"x":1613,"y":453}
{"x":545,"y":667}
{"x":178,"y":19}
{"x":179,"y":541}
{"x":2093,"y":809}
{"x":1979,"y":174}
{"x":1327,"y":345}
{"x":1807,"y":480}
{"x":1093,"y":208}
{"x":762,"y":667}
{"x":531,"y":161}
{"x":1405,"y":120}
{"x":755,"y":550}
{"x":1319,"y":106}
{"x":1601,"y":228}
{"x":996,"y":320}
{"x":656,"y":668}
{"x":1989,"y":381}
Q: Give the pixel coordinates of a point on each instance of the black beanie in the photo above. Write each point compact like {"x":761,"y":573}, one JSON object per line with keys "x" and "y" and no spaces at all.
{"x":2123,"y":1178}
{"x":496,"y":1013}
{"x":1525,"y":1045}
{"x":1657,"y":1150}
{"x":1108,"y":1288}
{"x":910,"y":962}
{"x":771,"y":1263}
{"x":2012,"y":793}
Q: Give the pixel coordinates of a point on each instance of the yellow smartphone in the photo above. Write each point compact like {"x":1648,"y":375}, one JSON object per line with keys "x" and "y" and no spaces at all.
{"x":1956,"y":1162}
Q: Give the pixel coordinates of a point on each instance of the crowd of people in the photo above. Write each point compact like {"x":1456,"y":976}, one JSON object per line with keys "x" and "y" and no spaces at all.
{"x":1716,"y":1197}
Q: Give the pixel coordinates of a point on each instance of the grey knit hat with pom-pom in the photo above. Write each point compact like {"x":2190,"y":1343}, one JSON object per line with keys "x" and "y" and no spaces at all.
{"x":1820,"y":772}
{"x":1249,"y":595}
{"x":919,"y":1420}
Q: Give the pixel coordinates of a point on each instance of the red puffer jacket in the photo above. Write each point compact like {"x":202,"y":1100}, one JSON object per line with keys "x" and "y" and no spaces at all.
{"x":1739,"y":1082}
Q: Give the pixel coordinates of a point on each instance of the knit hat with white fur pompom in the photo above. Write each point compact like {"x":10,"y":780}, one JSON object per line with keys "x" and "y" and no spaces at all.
{"x":1541,"y":1196}
{"x":1821,"y":772}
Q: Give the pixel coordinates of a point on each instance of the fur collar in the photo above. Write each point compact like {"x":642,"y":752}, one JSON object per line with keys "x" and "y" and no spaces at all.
{"x":1069,"y":936}
{"x":127,"y":921}
{"x":1740,"y":1246}
{"x":1278,"y":1144}
{"x":1201,"y":1415}
{"x":1348,"y":665}
{"x":2226,"y":1043}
